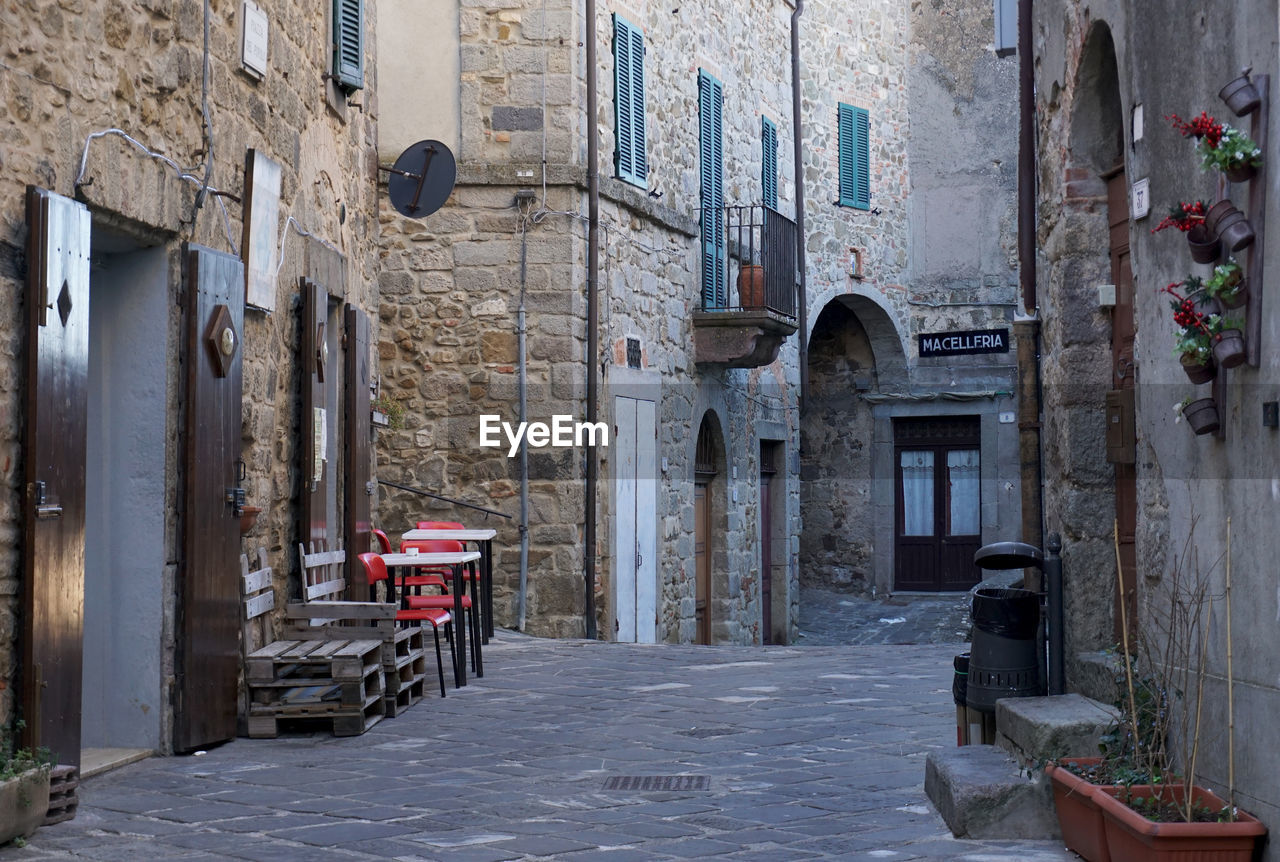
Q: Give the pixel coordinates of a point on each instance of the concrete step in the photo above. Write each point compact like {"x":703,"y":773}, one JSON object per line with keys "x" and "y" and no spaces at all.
{"x":981,"y":792}
{"x":1036,"y":729}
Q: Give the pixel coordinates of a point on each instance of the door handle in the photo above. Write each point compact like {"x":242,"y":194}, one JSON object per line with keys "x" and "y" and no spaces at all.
{"x":47,"y":513}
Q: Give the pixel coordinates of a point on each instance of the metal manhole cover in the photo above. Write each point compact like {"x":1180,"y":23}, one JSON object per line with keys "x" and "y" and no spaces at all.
{"x":658,"y":782}
{"x":708,"y":732}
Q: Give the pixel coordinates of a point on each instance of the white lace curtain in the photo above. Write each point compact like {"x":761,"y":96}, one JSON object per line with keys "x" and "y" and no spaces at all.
{"x":963,"y":475}
{"x":917,"y":493}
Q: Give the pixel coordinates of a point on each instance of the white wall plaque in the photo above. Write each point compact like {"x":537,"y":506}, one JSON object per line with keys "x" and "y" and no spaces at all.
{"x":261,"y":215}
{"x":1140,"y":199}
{"x":253,"y":41}
{"x":1137,"y":123}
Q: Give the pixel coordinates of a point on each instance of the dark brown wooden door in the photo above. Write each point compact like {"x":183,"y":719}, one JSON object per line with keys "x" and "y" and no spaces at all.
{"x":937,"y":491}
{"x":359,"y":529}
{"x":702,"y":561}
{"x":1123,"y":372}
{"x":315,"y":412}
{"x":208,"y":601}
{"x":767,"y":471}
{"x":55,"y":413}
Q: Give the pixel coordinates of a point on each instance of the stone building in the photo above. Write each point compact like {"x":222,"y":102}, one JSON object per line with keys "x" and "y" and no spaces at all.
{"x":1160,"y":497}
{"x":907,"y":172}
{"x":181,"y":185}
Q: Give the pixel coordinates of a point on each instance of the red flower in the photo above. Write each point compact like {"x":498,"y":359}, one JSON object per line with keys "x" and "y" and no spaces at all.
{"x":1184,"y":216}
{"x":1203,"y":126}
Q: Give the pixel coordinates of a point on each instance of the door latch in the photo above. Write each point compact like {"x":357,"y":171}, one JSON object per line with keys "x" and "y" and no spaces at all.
{"x":639,"y":559}
{"x":44,"y":511}
{"x":236,"y":497}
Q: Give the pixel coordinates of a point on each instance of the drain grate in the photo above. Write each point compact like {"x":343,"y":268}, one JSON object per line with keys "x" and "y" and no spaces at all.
{"x":708,"y":732}
{"x":658,"y":782}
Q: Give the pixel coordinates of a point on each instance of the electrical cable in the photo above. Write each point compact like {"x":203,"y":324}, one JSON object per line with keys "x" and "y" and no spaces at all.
{"x":284,"y":232}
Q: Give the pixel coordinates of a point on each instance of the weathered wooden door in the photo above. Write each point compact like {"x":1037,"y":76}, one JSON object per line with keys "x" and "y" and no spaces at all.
{"x":315,"y":412}
{"x":767,"y":471}
{"x":1123,"y":372}
{"x":635,"y":549}
{"x":357,"y":466}
{"x":55,"y":413}
{"x":938,"y":503}
{"x":702,"y":562}
{"x":207,"y":660}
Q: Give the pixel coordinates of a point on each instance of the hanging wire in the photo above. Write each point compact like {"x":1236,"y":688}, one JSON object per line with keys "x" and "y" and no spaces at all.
{"x":284,"y":232}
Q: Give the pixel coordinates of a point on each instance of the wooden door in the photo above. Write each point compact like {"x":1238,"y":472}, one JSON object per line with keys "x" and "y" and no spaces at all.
{"x":53,"y":511}
{"x":702,"y":561}
{"x":938,"y":504}
{"x":357,"y":450}
{"x":635,"y":547}
{"x":207,"y":660}
{"x":1123,"y":372}
{"x":316,"y":415}
{"x":767,"y":471}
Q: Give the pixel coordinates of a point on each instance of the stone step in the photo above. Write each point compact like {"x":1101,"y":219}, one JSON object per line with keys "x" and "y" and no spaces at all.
{"x":981,"y":792}
{"x":1036,"y":729}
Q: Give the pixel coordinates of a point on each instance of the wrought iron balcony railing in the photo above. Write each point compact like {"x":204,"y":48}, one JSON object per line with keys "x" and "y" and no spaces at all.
{"x":749,"y":261}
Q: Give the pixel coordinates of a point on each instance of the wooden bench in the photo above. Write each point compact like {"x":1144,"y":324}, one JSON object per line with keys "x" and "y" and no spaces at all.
{"x":338,"y":682}
{"x":323,"y":613}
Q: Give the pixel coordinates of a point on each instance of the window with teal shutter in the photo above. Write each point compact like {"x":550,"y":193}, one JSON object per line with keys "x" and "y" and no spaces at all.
{"x":711,"y":189}
{"x":628,"y":83}
{"x":854,"y":135}
{"x":348,"y":43}
{"x":769,"y":161}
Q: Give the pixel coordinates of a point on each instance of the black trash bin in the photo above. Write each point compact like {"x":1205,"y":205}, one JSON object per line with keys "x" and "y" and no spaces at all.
{"x":1003,"y":661}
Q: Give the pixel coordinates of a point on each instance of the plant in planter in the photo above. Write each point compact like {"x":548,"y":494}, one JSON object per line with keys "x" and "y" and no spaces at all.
{"x":24,"y":788}
{"x":387,"y":412}
{"x":1227,"y":285}
{"x":1193,"y":344}
{"x":1221,"y":147}
{"x":1227,"y":339}
{"x":1189,"y":219}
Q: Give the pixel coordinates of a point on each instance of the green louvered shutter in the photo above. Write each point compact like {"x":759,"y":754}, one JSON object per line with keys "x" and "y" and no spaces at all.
{"x":769,"y":162}
{"x":711,"y":189}
{"x":629,"y":102}
{"x":348,"y":43}
{"x":855,"y":157}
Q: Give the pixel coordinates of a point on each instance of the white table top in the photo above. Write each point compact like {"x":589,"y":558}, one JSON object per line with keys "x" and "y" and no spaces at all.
{"x":430,"y":559}
{"x":448,"y":535}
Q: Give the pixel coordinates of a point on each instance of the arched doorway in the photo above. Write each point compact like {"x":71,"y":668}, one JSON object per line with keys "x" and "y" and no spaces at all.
{"x":708,"y":514}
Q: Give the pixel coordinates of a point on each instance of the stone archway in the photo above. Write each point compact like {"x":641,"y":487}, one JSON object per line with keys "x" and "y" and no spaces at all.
{"x":710,"y":586}
{"x":854,"y":348}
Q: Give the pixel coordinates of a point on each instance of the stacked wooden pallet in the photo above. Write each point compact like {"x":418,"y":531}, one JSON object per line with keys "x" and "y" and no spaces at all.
{"x":338,"y":684}
{"x":63,"y":801}
{"x":405,"y":666}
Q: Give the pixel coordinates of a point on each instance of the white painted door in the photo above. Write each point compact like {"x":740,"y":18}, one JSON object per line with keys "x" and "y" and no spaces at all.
{"x":636,"y":529}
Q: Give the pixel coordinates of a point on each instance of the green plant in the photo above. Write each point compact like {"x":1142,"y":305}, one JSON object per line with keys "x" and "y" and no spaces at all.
{"x":391,"y":408}
{"x":1221,"y":147}
{"x":1225,"y":280}
{"x":15,"y":761}
{"x":1193,"y":338}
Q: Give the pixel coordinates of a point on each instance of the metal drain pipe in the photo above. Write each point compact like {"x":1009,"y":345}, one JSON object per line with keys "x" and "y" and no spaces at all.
{"x":593,"y":329}
{"x":798,"y":153}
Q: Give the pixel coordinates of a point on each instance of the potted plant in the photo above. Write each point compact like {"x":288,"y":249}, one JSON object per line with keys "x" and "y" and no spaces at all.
{"x":1193,"y":340}
{"x":1228,"y":341}
{"x":1226,"y":284}
{"x":1201,"y":414}
{"x":1221,"y":147}
{"x":751,"y":285}
{"x":24,"y":788}
{"x":1189,"y":219}
{"x":387,"y":412}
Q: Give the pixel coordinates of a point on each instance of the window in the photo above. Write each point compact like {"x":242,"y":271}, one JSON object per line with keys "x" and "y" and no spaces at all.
{"x":711,"y":188}
{"x":1006,"y":42}
{"x":769,"y":161}
{"x":628,"y":82}
{"x":855,"y":157}
{"x":348,"y":43}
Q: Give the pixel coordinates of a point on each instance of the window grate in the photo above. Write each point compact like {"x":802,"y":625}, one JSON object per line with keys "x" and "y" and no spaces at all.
{"x":633,"y":353}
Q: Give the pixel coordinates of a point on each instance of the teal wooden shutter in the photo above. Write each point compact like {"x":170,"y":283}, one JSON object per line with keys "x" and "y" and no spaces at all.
{"x":769,"y":162}
{"x":854,"y":133}
{"x":629,"y":102}
{"x":348,"y":43}
{"x":711,"y":189}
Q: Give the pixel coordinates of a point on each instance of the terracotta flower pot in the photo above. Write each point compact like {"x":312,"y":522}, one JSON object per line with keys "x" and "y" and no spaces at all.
{"x":1228,"y":348}
{"x":1205,"y":246}
{"x":1197,"y":371}
{"x":1202,"y":416}
{"x":1080,"y":818}
{"x":248,"y":517}
{"x":1241,"y":96}
{"x":1134,"y":838}
{"x":751,"y":286}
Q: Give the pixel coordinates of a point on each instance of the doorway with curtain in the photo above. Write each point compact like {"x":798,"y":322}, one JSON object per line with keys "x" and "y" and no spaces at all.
{"x":937,"y":470}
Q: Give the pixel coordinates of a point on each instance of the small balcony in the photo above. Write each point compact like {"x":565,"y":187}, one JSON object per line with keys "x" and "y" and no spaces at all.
{"x":748,"y":303}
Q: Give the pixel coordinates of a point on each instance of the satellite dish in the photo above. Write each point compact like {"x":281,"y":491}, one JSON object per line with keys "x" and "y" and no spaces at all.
{"x":422,"y":179}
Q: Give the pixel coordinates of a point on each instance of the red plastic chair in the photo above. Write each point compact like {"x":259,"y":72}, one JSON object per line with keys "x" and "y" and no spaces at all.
{"x":435,"y":577}
{"x":475,"y":572}
{"x":382,"y":542}
{"x":375,"y":570}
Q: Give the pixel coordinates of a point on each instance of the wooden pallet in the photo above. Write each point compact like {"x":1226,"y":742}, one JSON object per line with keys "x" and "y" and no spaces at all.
{"x":296,"y":662}
{"x":405,"y":697}
{"x":63,"y":801}
{"x":340,"y":724}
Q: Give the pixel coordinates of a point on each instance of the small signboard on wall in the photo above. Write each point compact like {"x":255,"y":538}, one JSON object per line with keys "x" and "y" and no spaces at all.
{"x":964,"y":343}
{"x":258,"y":246}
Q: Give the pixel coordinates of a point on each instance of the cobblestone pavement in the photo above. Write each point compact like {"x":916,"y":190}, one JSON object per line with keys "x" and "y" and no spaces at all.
{"x":801,"y":753}
{"x":829,"y":618}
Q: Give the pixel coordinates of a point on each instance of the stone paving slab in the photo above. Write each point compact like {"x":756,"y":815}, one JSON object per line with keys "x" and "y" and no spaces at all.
{"x":814,"y":752}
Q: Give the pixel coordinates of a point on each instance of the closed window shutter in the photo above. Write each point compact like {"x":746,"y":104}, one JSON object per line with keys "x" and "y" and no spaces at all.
{"x":348,"y":43}
{"x":629,"y":102}
{"x":711,"y":189}
{"x":854,"y":133}
{"x":769,"y":162}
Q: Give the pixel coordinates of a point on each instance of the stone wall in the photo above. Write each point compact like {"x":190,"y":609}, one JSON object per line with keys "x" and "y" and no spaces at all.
{"x":1188,"y":486}
{"x":72,"y":69}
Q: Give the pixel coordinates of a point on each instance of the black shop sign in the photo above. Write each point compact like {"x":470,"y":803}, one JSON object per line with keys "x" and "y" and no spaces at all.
{"x":963,"y":343}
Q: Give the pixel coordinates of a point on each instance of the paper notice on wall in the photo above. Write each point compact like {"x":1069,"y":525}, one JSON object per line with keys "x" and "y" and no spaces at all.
{"x":318,"y":444}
